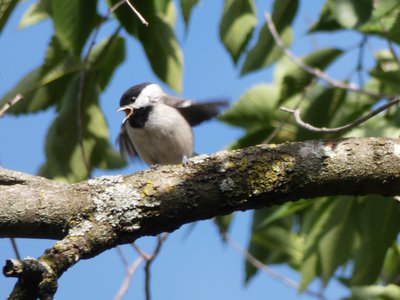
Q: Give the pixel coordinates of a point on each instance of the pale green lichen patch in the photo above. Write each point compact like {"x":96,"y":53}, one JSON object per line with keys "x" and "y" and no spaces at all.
{"x":226,"y":165}
{"x":84,"y":227}
{"x":267,"y":174}
{"x":116,"y":202}
{"x":227,"y":185}
{"x":243,"y":163}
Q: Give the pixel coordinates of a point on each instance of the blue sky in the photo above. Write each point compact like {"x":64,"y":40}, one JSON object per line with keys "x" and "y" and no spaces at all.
{"x":197,"y":266}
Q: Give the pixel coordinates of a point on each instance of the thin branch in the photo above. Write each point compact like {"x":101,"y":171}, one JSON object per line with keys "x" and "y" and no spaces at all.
{"x":142,"y":254}
{"x":262,"y":267}
{"x":360,"y":59}
{"x":314,"y":71}
{"x":143,"y":20}
{"x":114,"y":7}
{"x":10,"y":103}
{"x":123,"y":258}
{"x":149,"y":261}
{"x":130,"y":271}
{"x":15,"y":248}
{"x":300,"y":122}
{"x":283,"y":121}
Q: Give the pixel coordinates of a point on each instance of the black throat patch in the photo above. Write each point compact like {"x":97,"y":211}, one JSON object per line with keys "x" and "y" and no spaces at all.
{"x":140,"y":117}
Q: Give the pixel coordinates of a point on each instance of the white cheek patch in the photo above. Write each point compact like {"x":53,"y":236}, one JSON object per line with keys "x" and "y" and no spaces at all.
{"x":149,"y":94}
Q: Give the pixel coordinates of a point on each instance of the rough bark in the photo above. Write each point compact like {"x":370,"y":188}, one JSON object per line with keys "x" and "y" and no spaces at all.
{"x":95,"y":215}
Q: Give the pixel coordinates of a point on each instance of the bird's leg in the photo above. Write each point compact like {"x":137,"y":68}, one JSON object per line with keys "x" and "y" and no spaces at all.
{"x":185,"y":161}
{"x":155,"y":167}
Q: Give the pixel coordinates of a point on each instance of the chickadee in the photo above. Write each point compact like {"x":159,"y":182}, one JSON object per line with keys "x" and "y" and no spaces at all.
{"x":158,"y":127}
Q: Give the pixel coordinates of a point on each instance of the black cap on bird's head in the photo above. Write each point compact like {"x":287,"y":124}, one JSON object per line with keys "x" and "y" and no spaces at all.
{"x":132,"y":93}
{"x":137,"y":97}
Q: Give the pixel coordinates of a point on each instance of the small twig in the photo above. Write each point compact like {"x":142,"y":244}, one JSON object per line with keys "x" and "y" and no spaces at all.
{"x":114,"y":7}
{"x":142,"y":254}
{"x":360,"y":59}
{"x":262,"y":267}
{"x":300,"y":122}
{"x":149,"y":261}
{"x":10,"y":103}
{"x":283,"y":121}
{"x":15,"y":248}
{"x":314,"y":71}
{"x":130,"y":271}
{"x":122,"y":256}
{"x":143,"y":20}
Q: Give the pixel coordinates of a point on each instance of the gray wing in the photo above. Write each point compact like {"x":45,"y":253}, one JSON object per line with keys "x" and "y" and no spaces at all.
{"x":196,"y":112}
{"x":126,"y":147}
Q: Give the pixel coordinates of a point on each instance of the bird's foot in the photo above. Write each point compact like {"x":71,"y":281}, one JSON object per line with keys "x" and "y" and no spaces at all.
{"x":155,"y":167}
{"x":185,"y":161}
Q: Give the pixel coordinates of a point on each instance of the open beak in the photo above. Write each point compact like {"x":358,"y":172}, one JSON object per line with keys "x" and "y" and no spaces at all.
{"x":128,"y":112}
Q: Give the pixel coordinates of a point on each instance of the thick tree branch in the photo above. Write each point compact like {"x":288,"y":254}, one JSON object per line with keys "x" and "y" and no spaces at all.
{"x":95,"y":215}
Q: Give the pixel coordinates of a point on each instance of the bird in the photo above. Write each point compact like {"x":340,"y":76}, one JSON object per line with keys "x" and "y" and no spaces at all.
{"x":157,"y":127}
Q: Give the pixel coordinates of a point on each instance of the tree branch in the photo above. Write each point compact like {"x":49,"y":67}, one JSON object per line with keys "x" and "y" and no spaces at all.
{"x":314,"y":71}
{"x":101,"y":213}
{"x":296,"y":113}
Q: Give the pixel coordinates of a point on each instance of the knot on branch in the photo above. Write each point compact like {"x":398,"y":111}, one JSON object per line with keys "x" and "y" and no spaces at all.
{"x":36,"y":279}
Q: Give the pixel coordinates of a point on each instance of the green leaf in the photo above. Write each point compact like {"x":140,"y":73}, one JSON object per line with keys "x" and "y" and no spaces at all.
{"x":27,"y":87}
{"x":380,"y":224}
{"x":255,"y":108}
{"x":287,"y":209}
{"x":45,"y":85}
{"x":64,"y":155}
{"x":58,"y":62}
{"x":275,"y":243}
{"x":105,"y":57}
{"x":330,"y":240}
{"x":326,"y":21}
{"x":64,"y":160}
{"x":237,"y":25}
{"x":37,"y":94}
{"x":385,"y":21}
{"x":387,"y":70}
{"x":108,"y":158}
{"x":376,"y":292}
{"x":325,"y":104}
{"x":266,"y":52}
{"x":158,"y":40}
{"x":351,"y":13}
{"x":163,"y":52}
{"x":253,"y":136}
{"x":36,"y":13}
{"x":74,"y":20}
{"x":391,"y":266}
{"x":293,"y":79}
{"x":223,"y":223}
{"x":186,"y":8}
{"x":6,"y":8}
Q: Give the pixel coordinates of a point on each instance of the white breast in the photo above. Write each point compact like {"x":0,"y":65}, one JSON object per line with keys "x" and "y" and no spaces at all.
{"x":165,"y":139}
